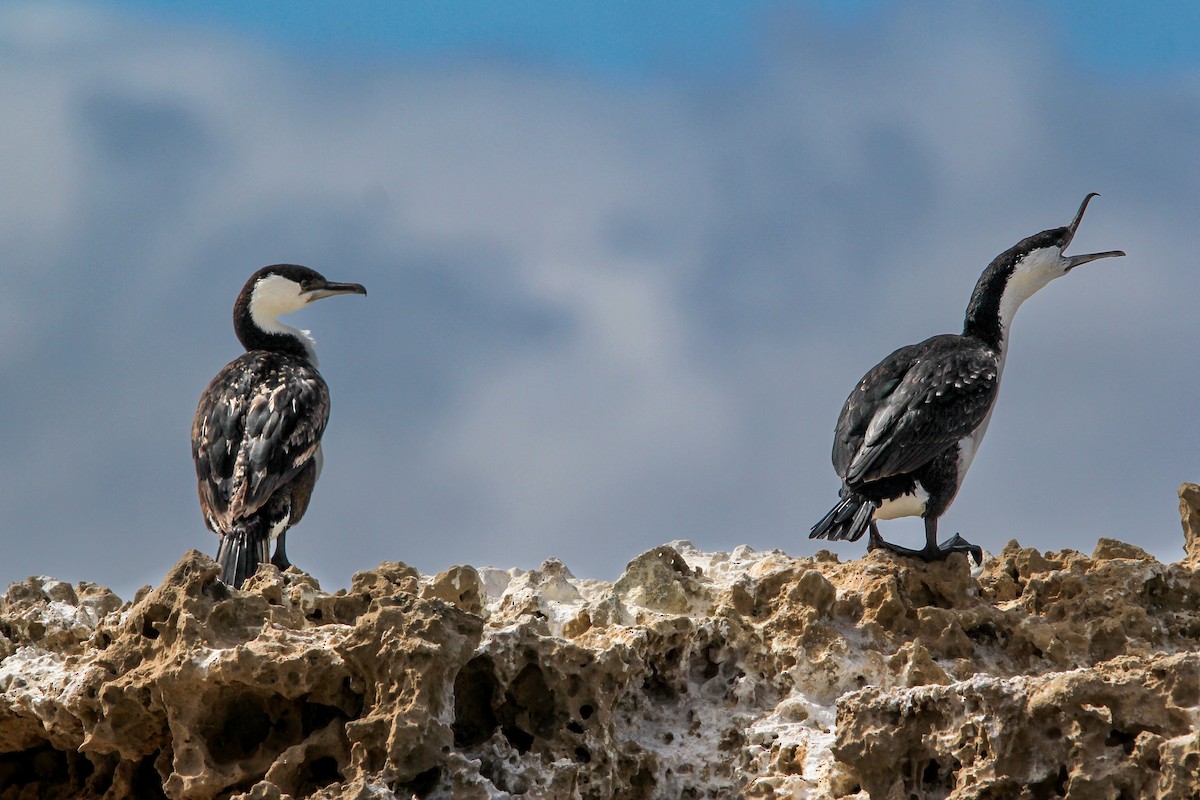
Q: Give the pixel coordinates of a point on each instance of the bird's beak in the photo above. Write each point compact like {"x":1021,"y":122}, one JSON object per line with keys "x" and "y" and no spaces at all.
{"x":1075,"y":261}
{"x":329,"y":289}
{"x":1074,"y":226}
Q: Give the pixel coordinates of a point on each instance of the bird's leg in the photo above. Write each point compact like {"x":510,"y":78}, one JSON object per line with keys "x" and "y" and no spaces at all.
{"x":875,"y":541}
{"x":280,"y":558}
{"x":931,"y":551}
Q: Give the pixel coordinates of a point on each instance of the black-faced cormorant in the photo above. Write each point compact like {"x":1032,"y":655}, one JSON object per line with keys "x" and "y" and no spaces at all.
{"x":256,"y":439}
{"x":910,"y":429}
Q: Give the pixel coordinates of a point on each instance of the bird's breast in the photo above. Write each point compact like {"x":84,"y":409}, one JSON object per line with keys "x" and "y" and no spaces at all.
{"x":968,"y":446}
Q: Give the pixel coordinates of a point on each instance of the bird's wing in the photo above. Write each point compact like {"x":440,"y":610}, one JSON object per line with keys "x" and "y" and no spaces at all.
{"x":913,"y":405}
{"x":257,"y":425}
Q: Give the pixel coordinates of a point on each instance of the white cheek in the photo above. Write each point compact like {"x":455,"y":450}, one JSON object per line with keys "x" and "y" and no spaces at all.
{"x":276,"y":295}
{"x":273,"y":296}
{"x":1034,"y":272}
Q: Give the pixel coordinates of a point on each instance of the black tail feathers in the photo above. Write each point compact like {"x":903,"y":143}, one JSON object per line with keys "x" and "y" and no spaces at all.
{"x":849,"y":519}
{"x":241,"y":551}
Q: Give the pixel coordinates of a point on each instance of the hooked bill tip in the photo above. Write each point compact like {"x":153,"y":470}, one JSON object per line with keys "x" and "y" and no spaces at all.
{"x":1074,"y":226}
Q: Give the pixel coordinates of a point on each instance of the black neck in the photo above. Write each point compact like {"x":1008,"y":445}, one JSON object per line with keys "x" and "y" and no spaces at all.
{"x":253,"y":337}
{"x":983,"y":312}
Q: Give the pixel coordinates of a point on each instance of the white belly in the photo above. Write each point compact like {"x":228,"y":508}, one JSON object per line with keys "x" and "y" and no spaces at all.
{"x":906,"y":505}
{"x":968,"y":446}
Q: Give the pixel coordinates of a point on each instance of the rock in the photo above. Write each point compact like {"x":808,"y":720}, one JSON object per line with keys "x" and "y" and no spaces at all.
{"x":460,"y":586}
{"x":703,"y":675}
{"x":1111,"y":548}
{"x":1189,"y":513}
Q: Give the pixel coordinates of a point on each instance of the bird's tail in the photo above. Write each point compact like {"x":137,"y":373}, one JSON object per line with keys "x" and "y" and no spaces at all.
{"x":241,"y":551}
{"x":848,"y":519}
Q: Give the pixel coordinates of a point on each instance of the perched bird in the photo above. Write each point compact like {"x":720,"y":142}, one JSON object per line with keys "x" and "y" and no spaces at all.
{"x":910,"y":429}
{"x":256,"y":438}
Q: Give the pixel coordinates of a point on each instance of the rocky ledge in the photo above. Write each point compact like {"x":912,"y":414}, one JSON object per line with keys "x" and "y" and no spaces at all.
{"x":695,"y":675}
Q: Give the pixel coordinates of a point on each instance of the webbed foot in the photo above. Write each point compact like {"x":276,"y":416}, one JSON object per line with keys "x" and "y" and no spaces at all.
{"x":931,"y":551}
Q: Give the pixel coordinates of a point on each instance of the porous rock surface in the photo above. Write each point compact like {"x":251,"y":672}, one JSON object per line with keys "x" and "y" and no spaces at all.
{"x":695,"y":675}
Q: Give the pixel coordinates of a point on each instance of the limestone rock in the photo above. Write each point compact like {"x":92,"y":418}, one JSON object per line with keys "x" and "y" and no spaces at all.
{"x":1189,"y":512}
{"x":701,"y":675}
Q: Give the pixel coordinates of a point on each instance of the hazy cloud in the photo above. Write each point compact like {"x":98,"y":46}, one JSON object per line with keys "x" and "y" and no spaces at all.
{"x":600,"y":317}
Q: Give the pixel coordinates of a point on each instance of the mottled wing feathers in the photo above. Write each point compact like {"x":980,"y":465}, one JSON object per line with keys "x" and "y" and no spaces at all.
{"x":911,"y":406}
{"x":258,"y":423}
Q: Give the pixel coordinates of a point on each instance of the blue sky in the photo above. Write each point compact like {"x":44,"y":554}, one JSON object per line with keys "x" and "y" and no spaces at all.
{"x":624,"y":266}
{"x":640,"y":38}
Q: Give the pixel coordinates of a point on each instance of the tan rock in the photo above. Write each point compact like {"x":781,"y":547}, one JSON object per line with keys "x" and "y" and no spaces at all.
{"x":704,"y":675}
{"x":1189,"y":514}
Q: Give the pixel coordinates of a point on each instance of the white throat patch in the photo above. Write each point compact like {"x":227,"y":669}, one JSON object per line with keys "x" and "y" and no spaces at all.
{"x":1032,"y":273}
{"x":275,"y":295}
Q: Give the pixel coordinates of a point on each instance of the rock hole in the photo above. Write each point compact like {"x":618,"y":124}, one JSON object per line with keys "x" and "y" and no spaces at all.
{"x":574,"y":727}
{"x":1052,"y":786}
{"x":520,"y":739}
{"x":424,"y":783}
{"x":475,"y":689}
{"x":147,"y":783}
{"x":243,"y":727}
{"x":671,"y":659}
{"x":39,"y":768}
{"x":103,"y":767}
{"x":154,"y":614}
{"x":528,"y":709}
{"x":937,"y":777}
{"x":317,"y":774}
{"x":354,"y":700}
{"x":657,"y":688}
{"x":315,"y":716}
{"x":1060,"y":786}
{"x":582,"y":755}
{"x":643,"y":783}
{"x":586,"y":711}
{"x":984,"y":633}
{"x":1122,"y":739}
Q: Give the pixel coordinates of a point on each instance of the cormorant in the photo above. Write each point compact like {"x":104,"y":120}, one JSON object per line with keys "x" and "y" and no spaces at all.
{"x":256,"y":438}
{"x":911,"y":427}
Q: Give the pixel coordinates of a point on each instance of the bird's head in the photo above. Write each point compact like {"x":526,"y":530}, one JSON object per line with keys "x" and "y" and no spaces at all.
{"x":276,"y":290}
{"x":1020,"y":271}
{"x":283,"y":288}
{"x":1040,"y":259}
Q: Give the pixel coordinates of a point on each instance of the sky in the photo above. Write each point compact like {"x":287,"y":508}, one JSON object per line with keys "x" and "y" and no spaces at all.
{"x":625,"y":261}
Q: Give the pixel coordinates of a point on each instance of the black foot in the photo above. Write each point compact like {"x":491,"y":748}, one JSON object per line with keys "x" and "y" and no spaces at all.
{"x":282,"y":563}
{"x":930,"y":553}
